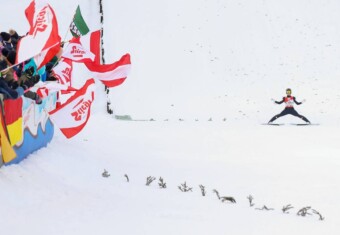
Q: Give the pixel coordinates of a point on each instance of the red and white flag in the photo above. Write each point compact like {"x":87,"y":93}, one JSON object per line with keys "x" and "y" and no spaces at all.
{"x":72,"y":116}
{"x":91,"y":42}
{"x":111,"y":74}
{"x":43,"y":36}
{"x":48,"y":88}
{"x":77,"y":53}
{"x":45,"y":56}
{"x":63,"y":71}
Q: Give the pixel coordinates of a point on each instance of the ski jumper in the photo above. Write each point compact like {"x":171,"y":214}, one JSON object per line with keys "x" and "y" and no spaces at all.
{"x":289,"y":101}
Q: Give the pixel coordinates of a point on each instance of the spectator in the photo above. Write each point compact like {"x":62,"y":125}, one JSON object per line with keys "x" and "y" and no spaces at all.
{"x":14,"y":34}
{"x":25,"y":81}
{"x":8,"y":41}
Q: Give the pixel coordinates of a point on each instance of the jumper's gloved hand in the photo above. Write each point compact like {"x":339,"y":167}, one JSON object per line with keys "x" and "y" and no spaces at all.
{"x":303,"y":101}
{"x":272,"y":100}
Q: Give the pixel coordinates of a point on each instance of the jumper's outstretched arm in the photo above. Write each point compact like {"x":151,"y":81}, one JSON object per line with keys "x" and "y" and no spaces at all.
{"x":298,"y":103}
{"x":278,"y":102}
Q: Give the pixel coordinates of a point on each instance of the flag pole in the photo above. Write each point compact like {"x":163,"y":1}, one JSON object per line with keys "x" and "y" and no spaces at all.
{"x":107,"y":90}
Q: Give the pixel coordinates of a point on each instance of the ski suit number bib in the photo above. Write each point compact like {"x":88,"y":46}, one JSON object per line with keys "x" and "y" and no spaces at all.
{"x":289,"y":102}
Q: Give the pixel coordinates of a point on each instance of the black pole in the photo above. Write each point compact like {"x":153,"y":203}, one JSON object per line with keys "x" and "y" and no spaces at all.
{"x":107,"y":90}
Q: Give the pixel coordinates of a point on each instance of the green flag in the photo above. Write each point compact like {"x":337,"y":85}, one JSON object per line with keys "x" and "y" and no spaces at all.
{"x":78,"y":26}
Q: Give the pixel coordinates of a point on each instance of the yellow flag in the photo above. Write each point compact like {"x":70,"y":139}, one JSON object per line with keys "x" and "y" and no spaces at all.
{"x":8,"y":153}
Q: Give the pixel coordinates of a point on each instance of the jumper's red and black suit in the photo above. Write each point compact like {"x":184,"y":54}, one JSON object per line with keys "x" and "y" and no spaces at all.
{"x":289,"y":101}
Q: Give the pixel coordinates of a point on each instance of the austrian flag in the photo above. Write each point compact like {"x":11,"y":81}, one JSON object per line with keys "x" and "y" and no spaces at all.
{"x":111,"y":74}
{"x":72,"y":116}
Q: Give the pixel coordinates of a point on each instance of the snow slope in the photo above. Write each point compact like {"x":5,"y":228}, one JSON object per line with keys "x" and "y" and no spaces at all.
{"x":226,"y":58}
{"x":195,"y":60}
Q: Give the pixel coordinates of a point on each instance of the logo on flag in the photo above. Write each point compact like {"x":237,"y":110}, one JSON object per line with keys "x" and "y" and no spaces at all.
{"x":81,"y":109}
{"x":41,"y":22}
{"x":77,"y":52}
{"x":63,"y":71}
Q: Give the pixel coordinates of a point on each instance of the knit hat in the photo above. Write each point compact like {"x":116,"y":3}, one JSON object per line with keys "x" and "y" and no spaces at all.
{"x":5,"y":36}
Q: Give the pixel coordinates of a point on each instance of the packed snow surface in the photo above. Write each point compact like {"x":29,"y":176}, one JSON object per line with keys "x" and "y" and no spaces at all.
{"x":204,"y":72}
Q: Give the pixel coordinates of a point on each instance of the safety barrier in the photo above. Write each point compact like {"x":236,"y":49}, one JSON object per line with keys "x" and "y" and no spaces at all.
{"x":25,"y":127}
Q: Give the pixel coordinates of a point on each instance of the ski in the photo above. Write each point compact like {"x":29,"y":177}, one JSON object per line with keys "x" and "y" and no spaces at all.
{"x":273,"y":124}
{"x":305,"y":124}
{"x":293,"y":124}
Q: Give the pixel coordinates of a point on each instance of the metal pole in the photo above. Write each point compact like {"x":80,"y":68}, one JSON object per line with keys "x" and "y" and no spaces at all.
{"x":107,"y":90}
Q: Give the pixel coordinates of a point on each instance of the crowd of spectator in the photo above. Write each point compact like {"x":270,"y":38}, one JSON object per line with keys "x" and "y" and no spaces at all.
{"x":17,"y":79}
